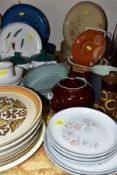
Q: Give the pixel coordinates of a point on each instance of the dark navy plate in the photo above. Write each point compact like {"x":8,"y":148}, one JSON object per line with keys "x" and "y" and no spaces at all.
{"x":28,"y":14}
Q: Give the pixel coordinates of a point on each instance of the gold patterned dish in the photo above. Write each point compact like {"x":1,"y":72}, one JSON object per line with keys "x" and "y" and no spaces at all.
{"x":20,"y":110}
{"x":82,"y":15}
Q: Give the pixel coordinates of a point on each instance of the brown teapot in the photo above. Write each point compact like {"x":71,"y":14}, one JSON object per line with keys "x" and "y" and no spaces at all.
{"x":72,"y":92}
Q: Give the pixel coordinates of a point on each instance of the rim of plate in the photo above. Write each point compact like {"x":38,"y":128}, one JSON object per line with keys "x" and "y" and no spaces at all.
{"x":30,"y":95}
{"x":67,"y":37}
{"x":27,"y":154}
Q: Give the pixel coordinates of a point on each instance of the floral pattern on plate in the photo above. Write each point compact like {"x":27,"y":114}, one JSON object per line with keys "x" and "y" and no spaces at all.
{"x":81,"y":133}
{"x":12,"y":113}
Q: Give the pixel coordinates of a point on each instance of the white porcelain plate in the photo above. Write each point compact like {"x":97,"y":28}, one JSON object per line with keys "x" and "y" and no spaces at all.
{"x":107,"y":167}
{"x":83,"y":131}
{"x":26,"y":155}
{"x":16,"y":78}
{"x":19,"y":37}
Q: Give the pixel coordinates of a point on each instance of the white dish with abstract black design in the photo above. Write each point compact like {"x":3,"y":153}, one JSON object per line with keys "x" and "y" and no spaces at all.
{"x":19,"y":37}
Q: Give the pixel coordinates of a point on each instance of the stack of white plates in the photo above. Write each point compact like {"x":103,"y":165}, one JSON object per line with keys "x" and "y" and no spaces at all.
{"x":82,"y":141}
{"x":21,"y":125}
{"x":14,"y":80}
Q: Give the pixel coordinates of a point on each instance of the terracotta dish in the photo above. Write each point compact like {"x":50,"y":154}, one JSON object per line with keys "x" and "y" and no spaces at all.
{"x":89,"y":47}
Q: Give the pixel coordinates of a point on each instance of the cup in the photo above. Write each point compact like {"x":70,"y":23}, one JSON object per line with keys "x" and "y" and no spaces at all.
{"x":7,"y":69}
{"x":97,"y":72}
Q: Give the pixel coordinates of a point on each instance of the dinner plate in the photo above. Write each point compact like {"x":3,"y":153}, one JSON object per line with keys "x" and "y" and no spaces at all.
{"x":78,"y":158}
{"x":19,"y":37}
{"x":15,"y":79}
{"x":82,"y":131}
{"x":20,"y":109}
{"x":26,"y":154}
{"x":19,"y":148}
{"x":89,"y":47}
{"x":30,"y":15}
{"x":107,"y":167}
{"x":21,"y":139}
{"x":82,"y":15}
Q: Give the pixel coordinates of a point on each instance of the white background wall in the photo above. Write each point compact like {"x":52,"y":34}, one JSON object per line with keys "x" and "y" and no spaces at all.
{"x":55,"y":11}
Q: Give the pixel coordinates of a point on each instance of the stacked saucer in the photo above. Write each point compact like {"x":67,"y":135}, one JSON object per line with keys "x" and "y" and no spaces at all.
{"x":82,"y":141}
{"x":14,"y":80}
{"x":21,"y":125}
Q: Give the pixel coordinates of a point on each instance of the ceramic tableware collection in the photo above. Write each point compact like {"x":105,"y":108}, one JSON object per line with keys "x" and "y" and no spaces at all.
{"x":75,"y":141}
{"x":21,"y":125}
{"x":74,"y":83}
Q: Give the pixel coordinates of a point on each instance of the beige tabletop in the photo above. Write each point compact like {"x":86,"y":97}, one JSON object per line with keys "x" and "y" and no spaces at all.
{"x":39,"y":163}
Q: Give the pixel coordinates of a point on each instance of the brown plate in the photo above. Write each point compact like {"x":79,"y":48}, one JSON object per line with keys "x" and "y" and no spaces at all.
{"x":89,"y":47}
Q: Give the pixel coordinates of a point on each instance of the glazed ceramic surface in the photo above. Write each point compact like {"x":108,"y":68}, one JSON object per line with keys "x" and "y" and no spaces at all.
{"x":6,"y":69}
{"x":16,"y":78}
{"x":72,"y":92}
{"x":98,"y":71}
{"x":20,"y":109}
{"x":30,"y":15}
{"x":83,"y":131}
{"x":19,"y":37}
{"x":79,"y":158}
{"x":108,"y":98}
{"x":44,"y":77}
{"x":82,"y":15}
{"x":26,"y":154}
{"x":89,"y":47}
{"x":107,"y":167}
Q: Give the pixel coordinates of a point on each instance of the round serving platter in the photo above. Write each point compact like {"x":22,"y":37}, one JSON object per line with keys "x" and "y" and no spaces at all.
{"x":83,"y":14}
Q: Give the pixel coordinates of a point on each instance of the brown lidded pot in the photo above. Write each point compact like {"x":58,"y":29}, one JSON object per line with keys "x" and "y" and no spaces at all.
{"x":72,"y":92}
{"x":108,"y":100}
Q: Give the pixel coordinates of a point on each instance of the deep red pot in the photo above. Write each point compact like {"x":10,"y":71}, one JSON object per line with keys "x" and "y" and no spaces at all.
{"x":72,"y":92}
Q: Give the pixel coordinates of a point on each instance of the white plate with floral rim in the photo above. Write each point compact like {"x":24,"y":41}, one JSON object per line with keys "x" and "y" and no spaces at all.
{"x":20,"y":109}
{"x":82,"y":15}
{"x":19,"y":37}
{"x":107,"y":167}
{"x":82,"y":131}
{"x":26,"y":154}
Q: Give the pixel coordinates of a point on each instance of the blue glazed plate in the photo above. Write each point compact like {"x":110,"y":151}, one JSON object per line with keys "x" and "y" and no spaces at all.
{"x":30,"y":15}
